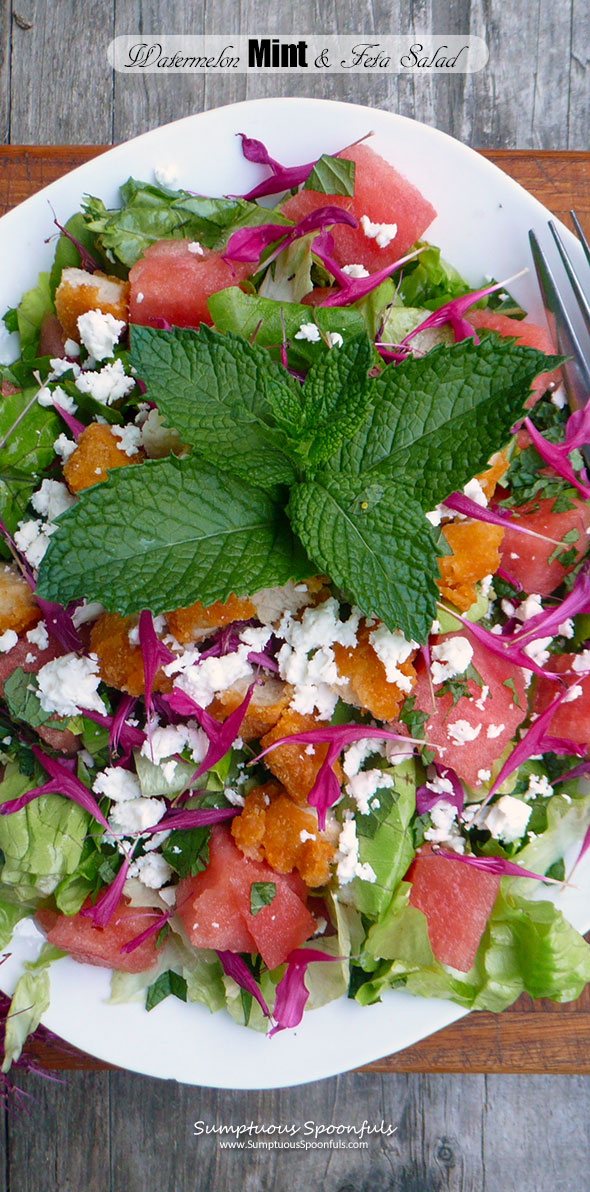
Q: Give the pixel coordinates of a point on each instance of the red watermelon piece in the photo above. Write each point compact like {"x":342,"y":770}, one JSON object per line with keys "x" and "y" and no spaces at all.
{"x":526,"y":559}
{"x":215,"y":905}
{"x":171,"y":282}
{"x":528,"y":334}
{"x":101,"y":946}
{"x":381,"y":193}
{"x":456,"y":900}
{"x":496,"y":720}
{"x":572,"y":719}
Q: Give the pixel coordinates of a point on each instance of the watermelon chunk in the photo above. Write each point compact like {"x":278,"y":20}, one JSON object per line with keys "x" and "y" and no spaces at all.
{"x":456,"y":900}
{"x":382,"y":194}
{"x":215,"y":905}
{"x":526,"y":559}
{"x":171,"y":282}
{"x":571,"y":719}
{"x":528,"y":334}
{"x":101,"y":946}
{"x":496,"y":720}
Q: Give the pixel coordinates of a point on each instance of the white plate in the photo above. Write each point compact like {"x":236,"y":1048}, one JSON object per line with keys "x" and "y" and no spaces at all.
{"x":482,"y":228}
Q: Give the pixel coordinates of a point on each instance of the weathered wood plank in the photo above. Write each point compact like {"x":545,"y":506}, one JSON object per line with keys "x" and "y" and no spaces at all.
{"x":60,"y":1140}
{"x":5,"y":39}
{"x":61,"y":86}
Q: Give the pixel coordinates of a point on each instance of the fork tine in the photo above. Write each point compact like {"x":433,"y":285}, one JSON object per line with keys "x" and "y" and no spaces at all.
{"x":580,"y":235}
{"x":577,"y":371}
{"x":574,"y":279}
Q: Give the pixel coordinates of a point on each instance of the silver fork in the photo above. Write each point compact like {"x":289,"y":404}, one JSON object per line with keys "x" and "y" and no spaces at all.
{"x":568,"y":310}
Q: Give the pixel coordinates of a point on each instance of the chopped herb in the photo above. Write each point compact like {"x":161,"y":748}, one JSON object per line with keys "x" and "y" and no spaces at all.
{"x":168,"y":984}
{"x":261,"y":894}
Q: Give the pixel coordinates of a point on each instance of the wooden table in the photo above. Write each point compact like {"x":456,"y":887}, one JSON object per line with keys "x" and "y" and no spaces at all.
{"x":530,"y":1037}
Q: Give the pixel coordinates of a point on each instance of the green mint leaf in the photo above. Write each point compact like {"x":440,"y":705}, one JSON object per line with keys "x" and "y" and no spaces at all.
{"x":412,"y":718}
{"x":187,"y":850}
{"x":331,"y":176}
{"x":31,"y":310}
{"x":509,"y":683}
{"x":335,"y":399}
{"x":219,"y":393}
{"x":261,"y":894}
{"x":28,"y":450}
{"x":168,"y":984}
{"x":165,"y":534}
{"x":375,"y":543}
{"x":436,"y":420}
{"x":10,"y":319}
{"x":265,"y":323}
{"x":20,"y":693}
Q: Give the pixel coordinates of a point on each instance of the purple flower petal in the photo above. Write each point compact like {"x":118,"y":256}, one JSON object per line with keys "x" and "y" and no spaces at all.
{"x":505,"y":647}
{"x":531,"y":744}
{"x":292,"y":993}
{"x":108,"y":899}
{"x":236,"y":968}
{"x":154,"y":655}
{"x":282,"y":177}
{"x":495,"y":865}
{"x":73,"y":424}
{"x":248,"y":244}
{"x":195,"y":817}
{"x":154,"y":927}
{"x":546,"y":623}
{"x":63,"y":782}
{"x":221,"y":736}
{"x":556,"y":455}
{"x":426,"y":798}
{"x":128,"y":736}
{"x":87,"y":261}
{"x":459,"y":503}
{"x":351,"y":288}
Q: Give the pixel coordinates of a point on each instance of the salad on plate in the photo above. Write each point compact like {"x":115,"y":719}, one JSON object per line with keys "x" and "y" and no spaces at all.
{"x":294,"y":609}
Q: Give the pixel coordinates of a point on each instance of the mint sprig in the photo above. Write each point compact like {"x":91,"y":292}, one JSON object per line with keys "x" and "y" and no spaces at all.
{"x":349,"y":461}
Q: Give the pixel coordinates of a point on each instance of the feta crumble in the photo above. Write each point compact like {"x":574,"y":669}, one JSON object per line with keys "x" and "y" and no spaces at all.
{"x":347,"y":856}
{"x":99,"y":332}
{"x":392,"y":648}
{"x":69,"y":684}
{"x":450,"y":658}
{"x":117,"y":784}
{"x":445,"y":830}
{"x":64,"y":447}
{"x":152,"y":870}
{"x":462,"y":732}
{"x":363,"y":786}
{"x":334,"y":339}
{"x":507,"y":819}
{"x":167,"y":176}
{"x":196,"y":248}
{"x":8,"y":641}
{"x":355,"y":271}
{"x":108,"y":385}
{"x":52,"y":499}
{"x":129,"y":439}
{"x":309,"y":332}
{"x":381,"y":233}
{"x":38,"y":635}
{"x":135,"y":815}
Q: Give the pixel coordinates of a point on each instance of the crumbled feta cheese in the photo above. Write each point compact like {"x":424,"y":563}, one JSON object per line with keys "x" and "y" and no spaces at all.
{"x":64,"y":447}
{"x":310,"y":332}
{"x":355,"y":271}
{"x":47,"y":398}
{"x":152,"y":870}
{"x":581,"y":662}
{"x":481,"y":702}
{"x":381,"y":233}
{"x":8,"y":641}
{"x":89,"y":610}
{"x":485,"y":585}
{"x":539,"y":785}
{"x":484,"y":775}
{"x":117,"y":784}
{"x":475,"y":492}
{"x":271,"y":603}
{"x":71,"y":348}
{"x":303,"y":836}
{"x":507,"y":819}
{"x":68,"y":684}
{"x":559,"y":398}
{"x":306,"y":659}
{"x":59,"y":367}
{"x":196,"y":248}
{"x":450,"y":658}
{"x":444,"y":830}
{"x":392,"y":648}
{"x":537,"y":650}
{"x":567,"y":628}
{"x":52,"y":499}
{"x":135,"y":815}
{"x":435,"y":515}
{"x":30,"y":658}
{"x":205,"y":678}
{"x":529,"y":608}
{"x":439,"y":785}
{"x":32,"y":539}
{"x":574,"y":693}
{"x":334,"y":339}
{"x":157,"y":439}
{"x":363,"y":786}
{"x":130,"y":439}
{"x":461,"y":732}
{"x":167,"y":176}
{"x":38,"y":635}
{"x":99,"y":332}
{"x":174,"y":738}
{"x":347,"y":856}
{"x":357,"y":753}
{"x":108,"y":385}
{"x":310,"y":750}
{"x":139,"y":297}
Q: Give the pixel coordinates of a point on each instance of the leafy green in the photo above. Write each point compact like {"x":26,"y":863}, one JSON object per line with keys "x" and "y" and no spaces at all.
{"x":29,"y":1001}
{"x":265,"y":322}
{"x":288,"y":277}
{"x":30,"y":312}
{"x":41,"y":843}
{"x":149,"y":213}
{"x":430,"y":281}
{"x":218,"y":392}
{"x":166,"y":985}
{"x":212,"y":535}
{"x":387,"y":845}
{"x":153,"y":781}
{"x":27,"y":451}
{"x":20,"y":693}
{"x":261,"y":894}
{"x":331,"y":176}
{"x":332,"y":404}
{"x":66,"y":253}
{"x":10,"y":915}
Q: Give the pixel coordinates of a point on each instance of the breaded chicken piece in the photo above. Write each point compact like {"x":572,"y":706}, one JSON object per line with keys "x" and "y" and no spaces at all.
{"x":270,"y":698}
{"x":18,"y":608}
{"x":475,"y":546}
{"x":120,"y":662}
{"x":97,"y":453}
{"x":492,"y":475}
{"x":368,"y":686}
{"x":79,"y":291}
{"x":197,"y":621}
{"x":296,"y":769}
{"x":270,"y":828}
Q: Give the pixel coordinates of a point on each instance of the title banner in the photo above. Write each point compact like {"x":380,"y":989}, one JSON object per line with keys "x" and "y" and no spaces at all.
{"x":134,"y":53}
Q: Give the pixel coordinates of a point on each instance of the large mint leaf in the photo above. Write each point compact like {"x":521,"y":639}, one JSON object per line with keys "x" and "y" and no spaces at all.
{"x":435,"y":421}
{"x":218,"y":392}
{"x":335,"y":399}
{"x":165,"y":534}
{"x":375,"y":543}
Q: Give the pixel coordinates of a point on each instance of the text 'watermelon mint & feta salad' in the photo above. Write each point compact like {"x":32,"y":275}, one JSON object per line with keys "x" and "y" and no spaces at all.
{"x":294,"y":609}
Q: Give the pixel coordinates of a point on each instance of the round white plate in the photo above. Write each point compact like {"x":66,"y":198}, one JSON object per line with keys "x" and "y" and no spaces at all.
{"x":482,"y":227}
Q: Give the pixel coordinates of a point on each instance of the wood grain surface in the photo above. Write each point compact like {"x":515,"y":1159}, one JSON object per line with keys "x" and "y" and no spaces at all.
{"x":530,"y":1037}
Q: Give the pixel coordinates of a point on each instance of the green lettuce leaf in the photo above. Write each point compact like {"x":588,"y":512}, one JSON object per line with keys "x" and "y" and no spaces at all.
{"x":26,"y":454}
{"x":41,"y":843}
{"x":31,"y":310}
{"x":385,"y":841}
{"x":29,"y":1002}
